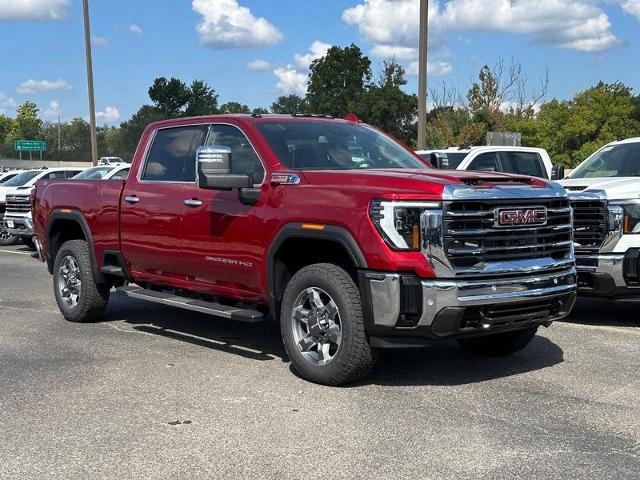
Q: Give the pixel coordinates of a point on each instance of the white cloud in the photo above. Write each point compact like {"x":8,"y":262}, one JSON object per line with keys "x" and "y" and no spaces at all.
{"x":108,"y":115}
{"x":31,"y":86}
{"x":99,"y":41}
{"x":437,"y":69}
{"x":316,"y":50}
{"x":7,"y":102}
{"x":291,"y":80}
{"x":632,"y":7}
{"x":52,"y":111}
{"x":42,"y":10}
{"x":395,"y":52}
{"x":133,"y":28}
{"x":574,"y":24}
{"x":259,"y":65}
{"x":226,"y":24}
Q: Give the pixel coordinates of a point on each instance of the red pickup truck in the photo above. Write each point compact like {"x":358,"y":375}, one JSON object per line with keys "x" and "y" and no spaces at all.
{"x":330,"y":227}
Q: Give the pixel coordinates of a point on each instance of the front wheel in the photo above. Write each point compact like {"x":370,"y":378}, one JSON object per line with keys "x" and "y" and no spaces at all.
{"x":499,"y":344}
{"x":78,"y":296}
{"x":323,"y":328}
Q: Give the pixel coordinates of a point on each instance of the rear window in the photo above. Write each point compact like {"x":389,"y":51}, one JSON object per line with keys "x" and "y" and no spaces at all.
{"x":523,"y":163}
{"x":96,"y":173}
{"x":22,"y":179}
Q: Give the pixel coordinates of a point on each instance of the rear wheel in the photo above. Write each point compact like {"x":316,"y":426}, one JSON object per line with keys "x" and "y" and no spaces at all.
{"x":499,"y":344}
{"x":78,"y":296}
{"x":323,"y":327}
{"x":6,"y":238}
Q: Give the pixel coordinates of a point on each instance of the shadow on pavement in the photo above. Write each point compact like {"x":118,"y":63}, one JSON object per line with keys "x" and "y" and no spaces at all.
{"x":443,"y":363}
{"x":603,"y":312}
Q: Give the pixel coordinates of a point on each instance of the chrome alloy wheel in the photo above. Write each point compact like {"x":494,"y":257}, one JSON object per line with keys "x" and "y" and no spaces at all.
{"x":316,"y":326}
{"x":69,"y":283}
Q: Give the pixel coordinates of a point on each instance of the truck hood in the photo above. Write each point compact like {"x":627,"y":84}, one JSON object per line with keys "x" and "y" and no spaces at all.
{"x":429,"y":182}
{"x":618,"y":188}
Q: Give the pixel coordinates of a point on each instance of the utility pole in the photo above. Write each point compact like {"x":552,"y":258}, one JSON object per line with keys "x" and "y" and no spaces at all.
{"x":92,"y":106}
{"x":59,"y":142}
{"x":422,"y":74}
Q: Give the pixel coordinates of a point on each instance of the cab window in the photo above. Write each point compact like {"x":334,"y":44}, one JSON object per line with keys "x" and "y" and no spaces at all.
{"x":486,"y":162}
{"x":244,"y":160}
{"x":523,"y":163}
{"x":172,"y":155}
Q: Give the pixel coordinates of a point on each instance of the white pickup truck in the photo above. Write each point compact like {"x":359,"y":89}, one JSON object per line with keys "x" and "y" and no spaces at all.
{"x":605,"y":196}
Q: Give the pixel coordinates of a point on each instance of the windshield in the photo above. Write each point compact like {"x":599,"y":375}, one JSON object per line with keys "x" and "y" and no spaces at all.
{"x":614,"y":161}
{"x":334,"y":146}
{"x":95,"y":173}
{"x":22,"y":179}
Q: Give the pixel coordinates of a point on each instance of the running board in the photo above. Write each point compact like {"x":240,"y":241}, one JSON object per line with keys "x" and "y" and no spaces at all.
{"x":210,"y":308}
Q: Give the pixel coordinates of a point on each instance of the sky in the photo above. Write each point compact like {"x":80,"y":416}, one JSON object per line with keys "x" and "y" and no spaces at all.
{"x":252,"y":51}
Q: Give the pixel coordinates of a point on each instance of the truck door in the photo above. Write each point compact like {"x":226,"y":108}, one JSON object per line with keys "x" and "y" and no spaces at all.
{"x":221,"y":246}
{"x":152,"y":204}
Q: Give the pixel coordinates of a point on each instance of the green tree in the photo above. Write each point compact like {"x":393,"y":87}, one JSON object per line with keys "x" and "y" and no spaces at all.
{"x":387,"y":106}
{"x":203,"y":100}
{"x":131,"y":130}
{"x":234,"y":107}
{"x":260,"y":111}
{"x":336,"y":79}
{"x":27,"y":125}
{"x":6,"y":124}
{"x":170,"y":97}
{"x":289,"y":104}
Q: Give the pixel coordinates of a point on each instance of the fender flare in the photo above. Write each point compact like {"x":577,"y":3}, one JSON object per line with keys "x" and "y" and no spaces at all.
{"x":331,"y":233}
{"x":77,"y":217}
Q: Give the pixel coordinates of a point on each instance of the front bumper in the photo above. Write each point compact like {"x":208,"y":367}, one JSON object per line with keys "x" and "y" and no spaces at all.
{"x":609,"y":275}
{"x":22,"y":226}
{"x":401,"y":306}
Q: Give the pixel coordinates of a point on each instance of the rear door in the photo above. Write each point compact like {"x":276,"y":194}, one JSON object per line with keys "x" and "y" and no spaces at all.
{"x":152,"y":204}
{"x":221,"y":247}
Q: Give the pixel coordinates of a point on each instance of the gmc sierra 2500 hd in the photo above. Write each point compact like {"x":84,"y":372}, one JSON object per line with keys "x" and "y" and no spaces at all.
{"x":329,"y":226}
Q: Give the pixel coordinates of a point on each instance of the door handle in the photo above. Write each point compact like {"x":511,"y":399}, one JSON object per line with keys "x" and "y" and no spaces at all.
{"x":193,"y":202}
{"x":131,"y":199}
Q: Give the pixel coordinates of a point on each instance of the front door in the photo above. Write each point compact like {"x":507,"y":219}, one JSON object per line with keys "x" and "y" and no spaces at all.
{"x":152,"y":205}
{"x":221,"y":244}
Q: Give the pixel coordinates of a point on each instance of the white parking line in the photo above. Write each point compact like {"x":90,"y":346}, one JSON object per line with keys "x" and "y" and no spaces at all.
{"x":15,"y":253}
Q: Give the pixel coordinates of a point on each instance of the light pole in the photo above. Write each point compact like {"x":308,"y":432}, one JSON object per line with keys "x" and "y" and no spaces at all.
{"x":92,"y":106}
{"x":422,"y":74}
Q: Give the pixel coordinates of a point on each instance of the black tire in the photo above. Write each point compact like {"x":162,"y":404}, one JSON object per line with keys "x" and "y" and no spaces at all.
{"x":499,"y":344}
{"x":28,"y":241}
{"x":92,"y":298}
{"x":354,"y":357}
{"x":6,"y":239}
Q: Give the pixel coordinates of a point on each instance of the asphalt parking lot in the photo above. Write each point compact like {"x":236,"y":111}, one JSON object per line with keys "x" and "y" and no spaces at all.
{"x":154,"y":392}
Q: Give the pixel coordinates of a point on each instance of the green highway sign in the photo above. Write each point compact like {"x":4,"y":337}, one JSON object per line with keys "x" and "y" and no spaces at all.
{"x":31,"y":145}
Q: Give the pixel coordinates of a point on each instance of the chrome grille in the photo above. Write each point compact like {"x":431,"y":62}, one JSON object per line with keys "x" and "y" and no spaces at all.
{"x":18,"y":204}
{"x":590,"y":224}
{"x":471,"y":237}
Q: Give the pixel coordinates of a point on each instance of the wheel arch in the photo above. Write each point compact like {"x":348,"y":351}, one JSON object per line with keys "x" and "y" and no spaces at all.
{"x":341,"y":246}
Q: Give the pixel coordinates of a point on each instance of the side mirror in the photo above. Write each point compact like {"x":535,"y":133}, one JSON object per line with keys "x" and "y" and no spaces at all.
{"x":557,"y":172}
{"x":439,"y":160}
{"x":214,"y":170}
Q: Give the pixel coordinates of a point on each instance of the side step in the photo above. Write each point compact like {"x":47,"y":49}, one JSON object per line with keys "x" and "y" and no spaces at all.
{"x":232,"y":313}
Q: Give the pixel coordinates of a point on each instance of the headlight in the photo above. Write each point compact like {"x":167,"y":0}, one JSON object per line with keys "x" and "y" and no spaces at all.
{"x":630,"y":217}
{"x":399,"y":222}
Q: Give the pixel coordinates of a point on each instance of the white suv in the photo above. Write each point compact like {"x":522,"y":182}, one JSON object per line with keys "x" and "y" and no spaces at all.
{"x":605,"y":196}
{"x":519,"y":160}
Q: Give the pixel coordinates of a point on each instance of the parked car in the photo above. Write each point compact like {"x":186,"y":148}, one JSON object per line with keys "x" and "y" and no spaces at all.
{"x":6,"y":176}
{"x":329,"y":226}
{"x":519,"y":160}
{"x":104,"y":172}
{"x":605,"y":196}
{"x":110,"y":161}
{"x":9,"y":185}
{"x":17,"y":219}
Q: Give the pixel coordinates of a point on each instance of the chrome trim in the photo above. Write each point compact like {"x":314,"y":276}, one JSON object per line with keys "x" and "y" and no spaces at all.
{"x":38,"y":246}
{"x":612,"y":265}
{"x":193,"y":202}
{"x":131,"y":199}
{"x":385,"y":299}
{"x":440,"y":294}
{"x":27,"y":222}
{"x":551,"y":191}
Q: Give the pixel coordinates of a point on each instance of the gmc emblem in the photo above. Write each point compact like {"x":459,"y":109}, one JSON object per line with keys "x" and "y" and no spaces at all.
{"x":510,"y":217}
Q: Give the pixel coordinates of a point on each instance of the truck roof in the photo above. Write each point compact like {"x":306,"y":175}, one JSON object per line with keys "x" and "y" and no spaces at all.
{"x":248,"y":118}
